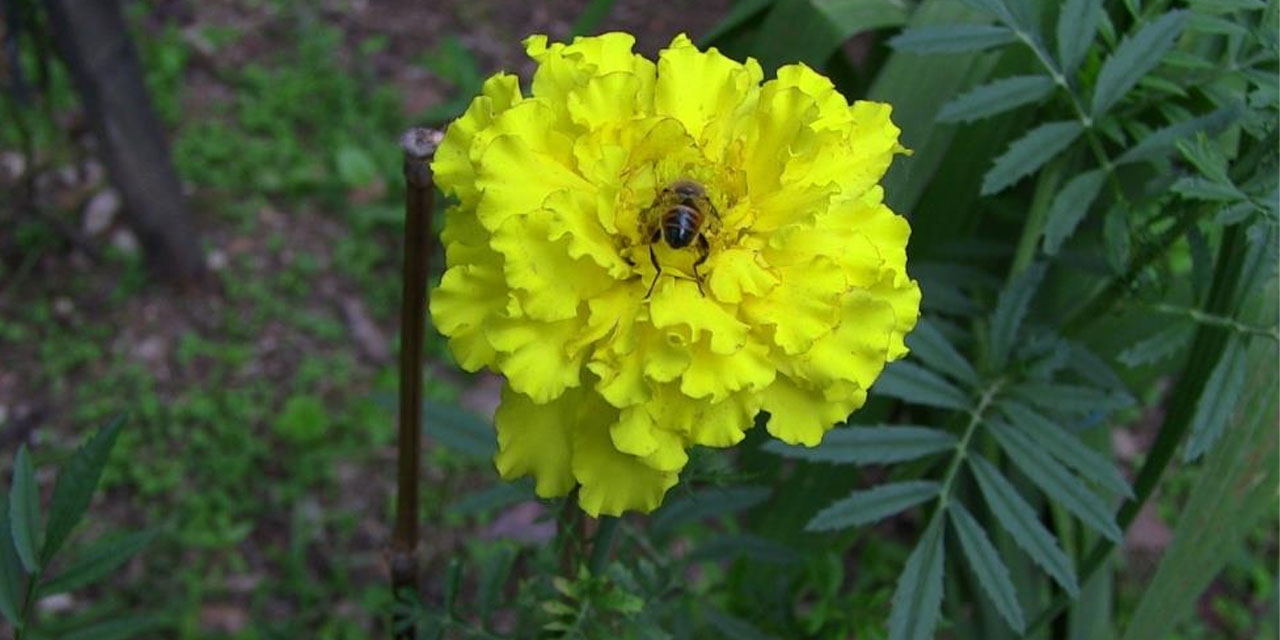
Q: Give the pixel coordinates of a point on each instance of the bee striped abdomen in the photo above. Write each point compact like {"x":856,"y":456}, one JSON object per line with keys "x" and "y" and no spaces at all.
{"x":680,"y":225}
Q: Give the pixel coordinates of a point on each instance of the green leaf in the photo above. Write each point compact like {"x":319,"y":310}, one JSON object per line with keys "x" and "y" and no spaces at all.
{"x":10,"y":575}
{"x":589,"y":19}
{"x":952,"y":38}
{"x":1197,"y":188}
{"x":918,"y":385}
{"x":1157,"y":347}
{"x":729,"y":547}
{"x":705,"y":504}
{"x":24,"y":511}
{"x":1019,"y":519}
{"x":119,"y":629}
{"x":1066,"y":447}
{"x":97,"y":561}
{"x":1217,"y":401}
{"x":732,"y":627}
{"x":929,"y":345}
{"x":303,"y":419}
{"x":1164,"y":141}
{"x":77,"y":481}
{"x":873,"y":505}
{"x":869,"y":445}
{"x":1115,"y":238}
{"x":917,"y":600}
{"x":1220,"y":26}
{"x":355,"y":167}
{"x":996,"y":97}
{"x":503,"y":494}
{"x":986,"y":564}
{"x":1011,"y":308}
{"x":1071,"y":398}
{"x":1069,"y":207}
{"x":1077,"y":24}
{"x":1206,"y":157}
{"x":1133,"y":58}
{"x":1028,"y":153}
{"x":1054,"y":479}
{"x":741,"y":13}
{"x":459,"y":430}
{"x":1234,"y":494}
{"x":810,"y":31}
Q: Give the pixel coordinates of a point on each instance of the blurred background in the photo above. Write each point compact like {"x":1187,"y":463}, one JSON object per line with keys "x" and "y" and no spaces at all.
{"x":248,"y":325}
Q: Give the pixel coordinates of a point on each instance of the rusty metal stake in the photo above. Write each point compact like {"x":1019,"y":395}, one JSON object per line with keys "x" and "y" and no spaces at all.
{"x":419,"y":145}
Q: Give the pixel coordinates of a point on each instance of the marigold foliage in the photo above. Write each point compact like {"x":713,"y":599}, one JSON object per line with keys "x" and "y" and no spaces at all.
{"x":805,"y":289}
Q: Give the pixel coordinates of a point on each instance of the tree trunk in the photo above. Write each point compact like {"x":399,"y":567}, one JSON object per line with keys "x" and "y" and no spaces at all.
{"x":94,"y":41}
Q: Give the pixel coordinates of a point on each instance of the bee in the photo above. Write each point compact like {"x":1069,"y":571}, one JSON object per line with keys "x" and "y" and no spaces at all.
{"x":683,"y":210}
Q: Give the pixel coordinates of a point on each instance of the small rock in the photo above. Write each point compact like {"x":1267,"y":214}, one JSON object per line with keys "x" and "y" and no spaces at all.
{"x":12,"y":166}
{"x":60,"y":603}
{"x":63,"y":306}
{"x":152,"y":350}
{"x":125,"y":241}
{"x":101,"y":211}
{"x":223,"y":618}
{"x":216,"y":260}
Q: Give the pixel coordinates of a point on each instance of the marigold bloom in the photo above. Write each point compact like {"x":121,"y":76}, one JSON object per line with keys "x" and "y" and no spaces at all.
{"x":802,"y":298}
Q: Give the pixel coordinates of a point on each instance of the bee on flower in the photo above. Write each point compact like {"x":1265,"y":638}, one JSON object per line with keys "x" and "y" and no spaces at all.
{"x":654,"y":253}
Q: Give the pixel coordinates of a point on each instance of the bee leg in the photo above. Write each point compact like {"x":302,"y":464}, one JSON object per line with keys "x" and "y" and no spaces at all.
{"x":657,"y":269}
{"x":705,"y":249}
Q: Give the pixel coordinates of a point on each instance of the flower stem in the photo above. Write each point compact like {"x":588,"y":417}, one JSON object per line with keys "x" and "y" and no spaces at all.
{"x":419,"y":145}
{"x":602,"y":543}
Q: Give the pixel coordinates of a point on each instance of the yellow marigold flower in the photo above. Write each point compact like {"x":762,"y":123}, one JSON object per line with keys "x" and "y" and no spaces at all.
{"x":787,"y":293}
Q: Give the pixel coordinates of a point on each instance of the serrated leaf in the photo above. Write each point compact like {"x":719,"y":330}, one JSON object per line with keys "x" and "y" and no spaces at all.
{"x":1011,"y":308}
{"x":985,"y":562}
{"x":1069,"y":207}
{"x":1068,"y":397}
{"x":118,"y":629}
{"x":996,"y":8}
{"x":732,"y":627}
{"x":929,"y":345}
{"x":1198,"y":188}
{"x":917,"y":600}
{"x":1077,"y":24}
{"x":1133,"y":58}
{"x":952,"y":39}
{"x":1214,"y":24}
{"x":1066,"y":447}
{"x":97,"y":561}
{"x":869,"y":445}
{"x":10,"y":575}
{"x":1217,"y":401}
{"x":503,"y":494}
{"x":1115,"y":238}
{"x":705,"y":504}
{"x":77,"y":481}
{"x":1234,"y":214}
{"x":1054,"y":479}
{"x":24,"y":511}
{"x":1201,"y":262}
{"x":1019,"y":519}
{"x":1206,"y":157}
{"x":1164,"y":141}
{"x":459,"y":430}
{"x":873,"y":505}
{"x":918,"y":385}
{"x":1161,"y":85}
{"x":996,"y":97}
{"x":1028,"y":153}
{"x":1087,"y":364}
{"x":1158,"y":346}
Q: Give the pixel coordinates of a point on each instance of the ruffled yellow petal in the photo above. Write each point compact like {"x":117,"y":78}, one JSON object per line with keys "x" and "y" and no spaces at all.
{"x":611,"y":482}
{"x":533,"y":355}
{"x":698,"y":88}
{"x":451,"y":165}
{"x":801,"y":415}
{"x":534,"y":440}
{"x":735,"y":272}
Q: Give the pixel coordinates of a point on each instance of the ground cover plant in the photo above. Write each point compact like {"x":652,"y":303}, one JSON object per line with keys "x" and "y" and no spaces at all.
{"x":1078,"y":440}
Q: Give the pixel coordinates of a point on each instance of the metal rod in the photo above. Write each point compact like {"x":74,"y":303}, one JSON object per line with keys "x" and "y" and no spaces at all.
{"x":419,"y":145}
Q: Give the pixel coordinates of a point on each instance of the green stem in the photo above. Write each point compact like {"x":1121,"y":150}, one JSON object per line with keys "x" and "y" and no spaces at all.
{"x":1201,"y":317}
{"x":28,"y":601}
{"x":1046,"y":187}
{"x":962,"y":447}
{"x":602,"y":543}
